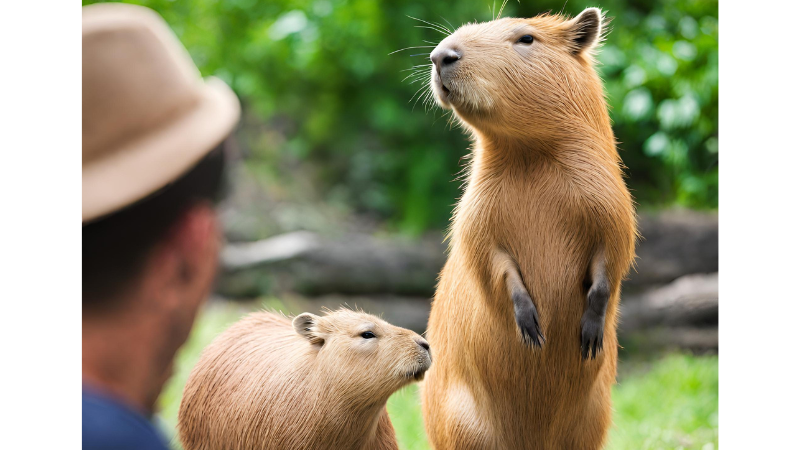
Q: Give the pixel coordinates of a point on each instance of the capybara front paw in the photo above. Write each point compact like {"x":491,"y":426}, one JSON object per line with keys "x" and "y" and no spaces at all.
{"x":528,"y":323}
{"x":591,"y":334}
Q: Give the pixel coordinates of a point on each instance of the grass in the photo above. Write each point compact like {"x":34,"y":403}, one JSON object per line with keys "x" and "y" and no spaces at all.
{"x":406,"y":413}
{"x":666,"y":403}
{"x":672,"y":406}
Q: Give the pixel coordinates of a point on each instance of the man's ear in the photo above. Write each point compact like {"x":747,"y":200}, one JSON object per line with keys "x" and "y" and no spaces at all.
{"x":180,"y":270}
{"x":585,"y":30}
{"x":307,"y":325}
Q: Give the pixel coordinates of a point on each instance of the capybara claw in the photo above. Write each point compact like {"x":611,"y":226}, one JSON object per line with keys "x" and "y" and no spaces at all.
{"x":591,"y":335}
{"x":530,"y":329}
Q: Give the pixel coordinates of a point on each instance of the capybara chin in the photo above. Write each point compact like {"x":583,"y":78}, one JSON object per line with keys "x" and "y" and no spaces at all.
{"x":313,"y":383}
{"x":525,"y":313}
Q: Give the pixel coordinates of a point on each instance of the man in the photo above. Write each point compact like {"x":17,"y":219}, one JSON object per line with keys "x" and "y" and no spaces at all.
{"x":153,"y":138}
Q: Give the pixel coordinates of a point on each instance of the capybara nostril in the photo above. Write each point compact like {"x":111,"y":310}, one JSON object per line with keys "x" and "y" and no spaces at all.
{"x":444,"y":57}
{"x":423,"y":343}
{"x":451,"y":58}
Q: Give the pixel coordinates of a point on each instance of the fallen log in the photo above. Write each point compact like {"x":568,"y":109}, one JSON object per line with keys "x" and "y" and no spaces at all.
{"x":692,"y":300}
{"x":682,"y":314}
{"x":306,"y":263}
{"x":674,"y":244}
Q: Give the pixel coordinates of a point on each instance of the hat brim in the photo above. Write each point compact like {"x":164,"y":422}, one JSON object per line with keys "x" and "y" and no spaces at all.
{"x":142,"y":166}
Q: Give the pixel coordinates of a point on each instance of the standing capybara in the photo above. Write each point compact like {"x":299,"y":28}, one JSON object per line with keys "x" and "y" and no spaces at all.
{"x":524,"y":317}
{"x":314,"y":383}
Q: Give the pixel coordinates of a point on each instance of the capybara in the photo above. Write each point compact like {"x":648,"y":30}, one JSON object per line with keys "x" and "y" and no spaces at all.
{"x":525,"y":313}
{"x":317,"y":382}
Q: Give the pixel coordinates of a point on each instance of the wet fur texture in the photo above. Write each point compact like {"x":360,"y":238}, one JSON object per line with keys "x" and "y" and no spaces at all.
{"x":544,"y":202}
{"x":315,"y":383}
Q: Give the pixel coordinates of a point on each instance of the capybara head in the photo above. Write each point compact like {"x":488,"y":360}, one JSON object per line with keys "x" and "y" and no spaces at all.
{"x":521,"y":77}
{"x":353,"y":345}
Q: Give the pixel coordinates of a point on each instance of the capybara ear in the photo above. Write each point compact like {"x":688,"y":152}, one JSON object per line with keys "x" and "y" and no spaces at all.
{"x":307,"y":325}
{"x":585,"y":30}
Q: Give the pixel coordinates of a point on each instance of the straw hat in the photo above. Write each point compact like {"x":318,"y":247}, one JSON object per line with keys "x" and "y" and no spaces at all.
{"x":148,"y":116}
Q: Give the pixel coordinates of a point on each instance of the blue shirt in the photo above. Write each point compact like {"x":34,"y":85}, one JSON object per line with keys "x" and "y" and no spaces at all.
{"x":110,"y":424}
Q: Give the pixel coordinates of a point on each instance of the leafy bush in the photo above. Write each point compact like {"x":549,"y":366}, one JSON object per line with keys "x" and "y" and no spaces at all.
{"x":661,"y":70}
{"x":324,"y":98}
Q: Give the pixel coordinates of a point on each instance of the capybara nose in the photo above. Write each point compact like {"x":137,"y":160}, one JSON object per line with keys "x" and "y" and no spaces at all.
{"x":443,"y":58}
{"x":423,"y":343}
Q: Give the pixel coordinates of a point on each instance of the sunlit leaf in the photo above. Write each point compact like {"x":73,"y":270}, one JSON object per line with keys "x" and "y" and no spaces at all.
{"x":656,"y":144}
{"x":638,"y":104}
{"x":288,"y":23}
{"x":684,"y":50}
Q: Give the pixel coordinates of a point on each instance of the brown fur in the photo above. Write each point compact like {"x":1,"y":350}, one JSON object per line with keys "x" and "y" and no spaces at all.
{"x":545,"y":202}
{"x":263,"y":384}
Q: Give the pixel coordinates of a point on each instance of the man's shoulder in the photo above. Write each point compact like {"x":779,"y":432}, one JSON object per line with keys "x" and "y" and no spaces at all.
{"x":108,"y":423}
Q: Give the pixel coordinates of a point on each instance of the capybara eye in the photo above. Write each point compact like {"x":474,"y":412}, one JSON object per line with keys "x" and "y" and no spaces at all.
{"x":368,"y":335}
{"x":527,"y":39}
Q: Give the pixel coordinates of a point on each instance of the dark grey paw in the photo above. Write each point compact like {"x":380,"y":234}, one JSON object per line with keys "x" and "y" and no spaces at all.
{"x":591,"y":334}
{"x":528,"y":323}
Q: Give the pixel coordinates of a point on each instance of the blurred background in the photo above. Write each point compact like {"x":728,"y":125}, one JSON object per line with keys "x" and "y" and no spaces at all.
{"x":344,"y":183}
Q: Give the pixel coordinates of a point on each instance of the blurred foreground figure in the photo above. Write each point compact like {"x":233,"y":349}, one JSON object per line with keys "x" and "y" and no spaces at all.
{"x":153,"y":134}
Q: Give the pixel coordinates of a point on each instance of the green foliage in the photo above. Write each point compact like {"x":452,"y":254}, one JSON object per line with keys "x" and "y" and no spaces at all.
{"x":322,"y":92}
{"x":661,"y":73}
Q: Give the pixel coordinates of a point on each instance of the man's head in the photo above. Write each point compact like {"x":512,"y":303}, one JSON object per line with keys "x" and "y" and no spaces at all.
{"x":153,"y":159}
{"x":120,"y":248}
{"x":148,"y":268}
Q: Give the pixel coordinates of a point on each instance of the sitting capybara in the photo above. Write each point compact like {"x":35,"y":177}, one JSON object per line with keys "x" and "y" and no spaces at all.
{"x":314,"y":383}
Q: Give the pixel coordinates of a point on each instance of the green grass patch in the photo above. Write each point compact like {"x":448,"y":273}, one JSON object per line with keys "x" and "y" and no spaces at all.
{"x":405,"y":409}
{"x":669,"y":403}
{"x":674,"y":405}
